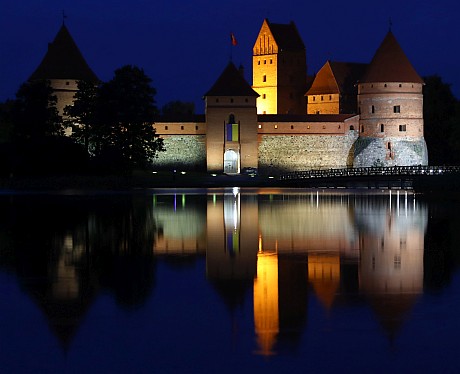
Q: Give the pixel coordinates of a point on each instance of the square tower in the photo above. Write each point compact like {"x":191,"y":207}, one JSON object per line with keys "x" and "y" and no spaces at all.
{"x":279,"y":69}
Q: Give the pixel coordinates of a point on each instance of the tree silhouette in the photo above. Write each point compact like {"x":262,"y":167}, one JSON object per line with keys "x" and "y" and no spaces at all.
{"x":34,"y":114}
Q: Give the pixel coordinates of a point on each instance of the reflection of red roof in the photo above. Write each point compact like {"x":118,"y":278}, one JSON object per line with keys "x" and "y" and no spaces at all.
{"x":231,"y":83}
{"x":390,"y":64}
{"x":337,"y":77}
{"x":63,"y":60}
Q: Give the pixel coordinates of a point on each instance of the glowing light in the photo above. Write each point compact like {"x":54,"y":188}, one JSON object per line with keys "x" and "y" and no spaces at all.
{"x":235,"y":191}
{"x":183,"y":172}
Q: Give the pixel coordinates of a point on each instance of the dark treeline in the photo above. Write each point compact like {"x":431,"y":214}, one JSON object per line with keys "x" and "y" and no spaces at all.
{"x":111,"y":126}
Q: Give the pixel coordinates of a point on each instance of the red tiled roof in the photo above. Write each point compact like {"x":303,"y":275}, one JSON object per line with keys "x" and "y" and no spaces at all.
{"x":390,"y":64}
{"x":286,"y":36}
{"x":231,"y":83}
{"x":337,"y":77}
{"x":63,"y":60}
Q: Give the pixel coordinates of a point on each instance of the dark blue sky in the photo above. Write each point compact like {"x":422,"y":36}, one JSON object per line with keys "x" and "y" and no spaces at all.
{"x":184,"y":45}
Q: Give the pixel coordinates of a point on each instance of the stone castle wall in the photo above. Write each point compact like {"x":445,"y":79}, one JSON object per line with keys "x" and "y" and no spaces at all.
{"x":278,"y":153}
{"x":183,"y":152}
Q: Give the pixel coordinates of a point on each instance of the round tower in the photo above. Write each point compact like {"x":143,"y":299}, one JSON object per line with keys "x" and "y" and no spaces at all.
{"x":390,"y":104}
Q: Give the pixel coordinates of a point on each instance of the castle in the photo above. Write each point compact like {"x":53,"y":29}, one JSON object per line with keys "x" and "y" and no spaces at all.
{"x":348,"y":115}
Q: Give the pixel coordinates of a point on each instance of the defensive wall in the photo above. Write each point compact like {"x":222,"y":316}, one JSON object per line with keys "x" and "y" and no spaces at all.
{"x":283,"y":146}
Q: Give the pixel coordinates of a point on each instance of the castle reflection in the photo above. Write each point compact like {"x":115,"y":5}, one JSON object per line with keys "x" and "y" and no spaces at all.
{"x":284,"y":247}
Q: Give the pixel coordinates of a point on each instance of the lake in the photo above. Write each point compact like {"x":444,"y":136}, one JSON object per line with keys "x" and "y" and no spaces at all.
{"x":229,"y":280}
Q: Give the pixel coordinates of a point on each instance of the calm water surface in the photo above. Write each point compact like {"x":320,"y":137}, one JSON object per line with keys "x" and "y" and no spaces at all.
{"x":229,"y":280}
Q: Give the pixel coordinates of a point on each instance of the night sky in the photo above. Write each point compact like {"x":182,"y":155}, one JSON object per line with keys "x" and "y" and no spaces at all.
{"x":183,"y":46}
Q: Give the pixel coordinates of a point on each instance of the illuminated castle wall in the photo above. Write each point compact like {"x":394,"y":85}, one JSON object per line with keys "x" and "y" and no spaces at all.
{"x":269,"y":125}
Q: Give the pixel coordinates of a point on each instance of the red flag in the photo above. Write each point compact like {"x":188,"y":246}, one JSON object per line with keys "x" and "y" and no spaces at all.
{"x":233,"y":39}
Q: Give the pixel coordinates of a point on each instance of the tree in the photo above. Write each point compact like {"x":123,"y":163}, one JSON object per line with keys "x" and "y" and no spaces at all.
{"x":177,"y":110}
{"x":441,"y":114}
{"x":125,"y":114}
{"x":34,"y":114}
{"x":82,"y":115}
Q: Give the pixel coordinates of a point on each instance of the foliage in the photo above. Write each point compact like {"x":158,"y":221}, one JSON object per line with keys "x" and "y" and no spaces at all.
{"x":82,"y":114}
{"x":177,"y":110}
{"x":6,"y":121}
{"x":441,"y":113}
{"x":34,"y":114}
{"x":116,"y":120}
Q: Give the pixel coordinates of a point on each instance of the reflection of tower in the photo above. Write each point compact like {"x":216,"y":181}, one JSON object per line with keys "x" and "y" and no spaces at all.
{"x":232,"y":228}
{"x":232,"y":223}
{"x":266,"y":316}
{"x":391,"y":269}
{"x":324,"y":275}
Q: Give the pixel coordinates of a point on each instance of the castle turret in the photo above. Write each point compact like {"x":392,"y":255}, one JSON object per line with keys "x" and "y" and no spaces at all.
{"x":63,"y":65}
{"x":231,"y":123}
{"x":390,"y":103}
{"x":279,"y":69}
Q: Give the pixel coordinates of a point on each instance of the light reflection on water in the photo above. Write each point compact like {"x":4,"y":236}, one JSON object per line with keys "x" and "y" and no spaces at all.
{"x":179,"y":281}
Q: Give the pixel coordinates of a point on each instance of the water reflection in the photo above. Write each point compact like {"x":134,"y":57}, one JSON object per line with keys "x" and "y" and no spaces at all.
{"x":273,"y":249}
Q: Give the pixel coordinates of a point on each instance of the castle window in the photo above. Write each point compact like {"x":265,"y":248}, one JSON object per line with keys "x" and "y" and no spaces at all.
{"x":389,"y":146}
{"x":217,"y":100}
{"x":362,"y":128}
{"x":260,"y":126}
{"x":400,"y":85}
{"x":292,"y":127}
{"x":271,"y":61}
{"x":397,"y":109}
{"x":372,"y":109}
{"x":264,"y":78}
{"x":231,"y":100}
{"x":67,"y":83}
{"x":246,"y":100}
{"x":196,"y":127}
{"x":322,"y":98}
{"x":372,"y":86}
{"x":324,"y":127}
{"x":330,"y":97}
{"x":314,"y":98}
{"x":166,"y":127}
{"x":385,"y":85}
{"x":231,"y":118}
{"x":317,"y":112}
{"x":382,"y":127}
{"x":352,"y":127}
{"x":182,"y":127}
{"x":258,"y":62}
{"x":264,"y":96}
{"x":308,"y":127}
{"x":265,"y":62}
{"x":402,"y":127}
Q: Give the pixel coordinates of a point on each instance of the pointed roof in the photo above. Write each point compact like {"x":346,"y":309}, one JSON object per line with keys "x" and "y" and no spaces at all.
{"x":63,"y":60}
{"x":286,"y":36}
{"x":337,"y":77}
{"x":231,"y":83}
{"x":390,"y":64}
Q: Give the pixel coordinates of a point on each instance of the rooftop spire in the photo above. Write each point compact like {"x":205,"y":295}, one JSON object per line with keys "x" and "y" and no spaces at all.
{"x":390,"y":64}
